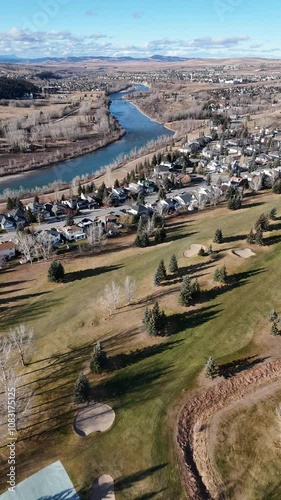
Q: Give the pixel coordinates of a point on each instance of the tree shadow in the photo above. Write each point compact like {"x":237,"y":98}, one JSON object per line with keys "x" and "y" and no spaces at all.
{"x":274,"y":226}
{"x":235,"y":281}
{"x":180,"y":322}
{"x":89,"y":273}
{"x":21,"y":313}
{"x":250,"y":205}
{"x":6,"y":300}
{"x":237,"y":237}
{"x":239,"y":365}
{"x":69,"y":494}
{"x":128,"y":481}
{"x":174,"y":237}
{"x":271,"y":240}
{"x":152,"y":494}
{"x":126,"y":359}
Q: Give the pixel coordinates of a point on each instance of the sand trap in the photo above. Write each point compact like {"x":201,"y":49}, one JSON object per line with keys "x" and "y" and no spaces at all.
{"x":96,"y":417}
{"x":103,"y":488}
{"x":193,"y":250}
{"x":245,"y":254}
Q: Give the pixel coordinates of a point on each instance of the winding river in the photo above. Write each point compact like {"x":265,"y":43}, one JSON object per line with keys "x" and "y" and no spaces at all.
{"x":139,"y":130}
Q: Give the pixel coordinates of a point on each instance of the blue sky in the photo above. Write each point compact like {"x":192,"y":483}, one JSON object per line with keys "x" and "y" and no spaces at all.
{"x":190,"y":28}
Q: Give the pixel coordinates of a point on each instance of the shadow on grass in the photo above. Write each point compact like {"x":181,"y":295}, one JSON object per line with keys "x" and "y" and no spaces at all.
{"x":89,"y":273}
{"x":235,"y":281}
{"x":126,"y":359}
{"x":6,"y":300}
{"x":180,"y":322}
{"x":26,"y":312}
{"x":174,"y":237}
{"x":127,"y":389}
{"x":152,"y":494}
{"x":128,"y":481}
{"x":250,"y":205}
{"x":271,"y":240}
{"x":239,"y":365}
{"x":236,"y":237}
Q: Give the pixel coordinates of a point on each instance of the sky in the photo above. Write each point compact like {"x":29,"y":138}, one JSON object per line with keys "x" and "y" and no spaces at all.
{"x":187,"y":28}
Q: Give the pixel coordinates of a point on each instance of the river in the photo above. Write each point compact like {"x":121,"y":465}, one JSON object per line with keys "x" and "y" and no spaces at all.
{"x":139,"y":130}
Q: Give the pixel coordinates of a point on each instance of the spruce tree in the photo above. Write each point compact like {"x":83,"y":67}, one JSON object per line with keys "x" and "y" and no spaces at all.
{"x":272,"y":213}
{"x":154,"y":320}
{"x":211,"y":368}
{"x":160,"y":235}
{"x":56,"y":272}
{"x":185,"y":296}
{"x":220,"y":274}
{"x":251,"y":237}
{"x":82,"y":389}
{"x":218,"y":238}
{"x":173,"y":264}
{"x":262,"y":223}
{"x":273,"y":316}
{"x":259,"y":237}
{"x":274,"y":330}
{"x":146,"y":317}
{"x":201,"y":252}
{"x":98,"y":359}
{"x":69,"y":220}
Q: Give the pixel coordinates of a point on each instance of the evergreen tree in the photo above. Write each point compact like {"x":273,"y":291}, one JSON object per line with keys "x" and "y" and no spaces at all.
{"x":82,"y":389}
{"x":274,"y":329}
{"x":160,"y":273}
{"x":98,"y":359}
{"x":220,"y":274}
{"x":56,"y":272}
{"x":211,"y":369}
{"x":201,"y":252}
{"x":161,"y":194}
{"x":272,"y":213}
{"x":160,"y":235}
{"x":210,"y":250}
{"x":166,"y":183}
{"x":276,"y":188}
{"x":36,"y":198}
{"x":116,"y":183}
{"x":10,"y":204}
{"x":235,"y":202}
{"x":262,"y":223}
{"x":218,"y":238}
{"x":259,"y":237}
{"x":251,"y":237}
{"x":79,"y":189}
{"x":273,"y":316}
{"x":154,"y":320}
{"x":185,"y":296}
{"x":69,"y":220}
{"x":173,"y":264}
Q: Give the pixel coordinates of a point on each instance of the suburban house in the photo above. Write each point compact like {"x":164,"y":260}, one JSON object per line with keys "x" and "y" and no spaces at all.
{"x":8,"y":223}
{"x":7,"y":249}
{"x":183,"y":199}
{"x":72,"y":233}
{"x":140,"y":210}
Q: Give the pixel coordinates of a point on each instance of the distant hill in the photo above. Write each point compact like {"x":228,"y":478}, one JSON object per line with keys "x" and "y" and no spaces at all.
{"x":154,"y":58}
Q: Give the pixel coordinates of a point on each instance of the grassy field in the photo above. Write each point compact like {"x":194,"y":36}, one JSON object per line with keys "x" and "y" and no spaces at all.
{"x":248,"y":452}
{"x":150,"y":381}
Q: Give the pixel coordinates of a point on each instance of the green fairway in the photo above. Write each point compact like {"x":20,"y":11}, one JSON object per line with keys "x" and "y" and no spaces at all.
{"x":153,"y":380}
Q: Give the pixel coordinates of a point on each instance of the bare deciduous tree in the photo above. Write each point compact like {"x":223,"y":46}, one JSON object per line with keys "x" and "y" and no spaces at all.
{"x":21,"y":338}
{"x":111,"y":297}
{"x":5,"y":358}
{"x":256,"y":183}
{"x":96,"y":237}
{"x":25,"y":244}
{"x":44,"y":244}
{"x":130,"y":287}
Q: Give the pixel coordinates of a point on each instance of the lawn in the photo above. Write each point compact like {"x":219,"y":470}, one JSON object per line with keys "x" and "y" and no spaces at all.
{"x":154,"y":378}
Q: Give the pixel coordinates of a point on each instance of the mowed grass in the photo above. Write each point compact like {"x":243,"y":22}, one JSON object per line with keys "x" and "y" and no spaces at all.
{"x":248,"y":451}
{"x":149,"y":388}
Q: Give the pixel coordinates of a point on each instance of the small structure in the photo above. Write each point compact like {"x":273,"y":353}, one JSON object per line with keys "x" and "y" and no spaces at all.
{"x":72,"y":233}
{"x":7,"y":250}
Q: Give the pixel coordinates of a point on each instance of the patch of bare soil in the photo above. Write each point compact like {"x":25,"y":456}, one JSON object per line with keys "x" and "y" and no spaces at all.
{"x":197,"y":420}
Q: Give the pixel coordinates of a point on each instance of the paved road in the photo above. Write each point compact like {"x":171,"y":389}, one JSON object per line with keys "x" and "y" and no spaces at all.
{"x":92,"y":213}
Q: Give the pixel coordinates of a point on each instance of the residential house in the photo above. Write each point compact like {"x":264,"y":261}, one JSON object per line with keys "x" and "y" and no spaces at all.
{"x":183,"y":199}
{"x":72,"y":233}
{"x":7,"y":249}
{"x":8,"y":223}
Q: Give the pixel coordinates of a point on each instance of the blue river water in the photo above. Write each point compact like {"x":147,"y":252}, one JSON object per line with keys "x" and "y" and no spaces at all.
{"x":139,"y":130}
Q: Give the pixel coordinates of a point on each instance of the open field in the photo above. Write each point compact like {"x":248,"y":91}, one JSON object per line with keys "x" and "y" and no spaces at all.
{"x":148,"y":384}
{"x":248,"y":451}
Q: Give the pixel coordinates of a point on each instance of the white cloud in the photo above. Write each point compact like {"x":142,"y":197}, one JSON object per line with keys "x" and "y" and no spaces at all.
{"x":25,"y":43}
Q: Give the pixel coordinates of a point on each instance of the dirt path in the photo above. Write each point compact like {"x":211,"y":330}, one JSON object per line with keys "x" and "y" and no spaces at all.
{"x":199,"y":420}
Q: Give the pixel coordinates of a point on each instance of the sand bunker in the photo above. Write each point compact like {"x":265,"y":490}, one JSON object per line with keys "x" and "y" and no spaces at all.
{"x":96,"y":417}
{"x":103,"y":488}
{"x":245,"y":254}
{"x":193,"y":250}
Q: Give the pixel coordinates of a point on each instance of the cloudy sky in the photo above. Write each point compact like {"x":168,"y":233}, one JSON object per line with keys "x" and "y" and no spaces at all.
{"x":189,"y":28}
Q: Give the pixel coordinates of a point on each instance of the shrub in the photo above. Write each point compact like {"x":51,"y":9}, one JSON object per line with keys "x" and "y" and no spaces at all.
{"x":211,"y":369}
{"x":262,"y":223}
{"x":272,"y":213}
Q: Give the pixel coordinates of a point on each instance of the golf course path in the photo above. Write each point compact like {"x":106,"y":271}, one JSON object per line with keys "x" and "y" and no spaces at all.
{"x":103,"y":488}
{"x":197,"y":422}
{"x":95,"y":417}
